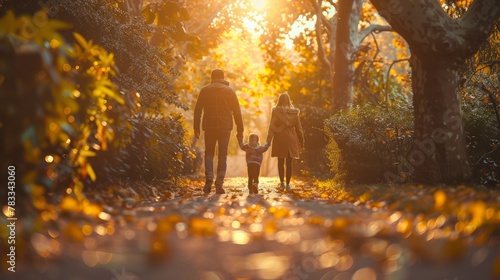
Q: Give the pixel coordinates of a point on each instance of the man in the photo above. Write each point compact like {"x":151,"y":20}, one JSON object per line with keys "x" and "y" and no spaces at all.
{"x":219,"y":105}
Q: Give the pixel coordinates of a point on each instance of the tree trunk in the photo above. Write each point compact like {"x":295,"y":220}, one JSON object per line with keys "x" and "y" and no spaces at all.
{"x":349,"y":13}
{"x":439,"y":155}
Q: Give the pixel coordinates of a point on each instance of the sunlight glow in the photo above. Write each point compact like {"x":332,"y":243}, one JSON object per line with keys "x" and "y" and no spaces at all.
{"x":252,"y":26}
{"x":259,"y":4}
{"x":301,"y":25}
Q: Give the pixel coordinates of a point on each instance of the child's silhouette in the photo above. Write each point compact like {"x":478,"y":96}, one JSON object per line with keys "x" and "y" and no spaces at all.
{"x":254,"y":158}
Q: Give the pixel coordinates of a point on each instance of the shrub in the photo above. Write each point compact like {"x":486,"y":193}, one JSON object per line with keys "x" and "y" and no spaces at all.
{"x":483,"y":139}
{"x":57,"y":105}
{"x":156,"y":149}
{"x":314,"y":160}
{"x":367,"y":141}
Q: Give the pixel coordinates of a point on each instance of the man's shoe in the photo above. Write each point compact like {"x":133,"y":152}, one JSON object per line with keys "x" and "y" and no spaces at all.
{"x":207,"y":187}
{"x":219,"y":190}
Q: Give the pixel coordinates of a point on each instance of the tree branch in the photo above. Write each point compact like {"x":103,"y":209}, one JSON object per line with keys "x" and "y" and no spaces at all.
{"x":492,"y":99}
{"x":330,"y":24}
{"x":321,"y":51}
{"x":388,"y":76}
{"x":376,"y":28}
{"x":478,"y":21}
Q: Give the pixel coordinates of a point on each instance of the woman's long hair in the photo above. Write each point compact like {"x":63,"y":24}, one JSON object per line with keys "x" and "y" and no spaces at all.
{"x":284,"y":101}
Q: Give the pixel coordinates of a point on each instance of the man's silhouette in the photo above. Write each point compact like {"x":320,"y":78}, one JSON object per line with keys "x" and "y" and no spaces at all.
{"x":219,"y":105}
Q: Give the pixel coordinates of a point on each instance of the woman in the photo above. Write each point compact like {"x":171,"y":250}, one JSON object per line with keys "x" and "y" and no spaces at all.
{"x":287,"y":136}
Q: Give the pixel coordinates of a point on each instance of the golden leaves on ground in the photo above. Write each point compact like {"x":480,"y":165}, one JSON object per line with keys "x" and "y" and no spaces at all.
{"x":201,"y":227}
{"x":72,"y":205}
{"x":167,"y":224}
{"x":393,"y":228}
{"x":279,"y":212}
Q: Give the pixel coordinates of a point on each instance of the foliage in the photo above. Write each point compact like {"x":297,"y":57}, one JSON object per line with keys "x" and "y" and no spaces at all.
{"x":382,"y":72}
{"x":371,"y":140}
{"x":309,"y":91}
{"x":481,"y":99}
{"x":59,"y":105}
{"x":128,"y":35}
{"x":156,"y":149}
{"x":313,"y":159}
{"x":480,"y":94}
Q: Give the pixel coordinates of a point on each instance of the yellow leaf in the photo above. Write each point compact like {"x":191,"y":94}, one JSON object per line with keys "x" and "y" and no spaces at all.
{"x":85,"y":153}
{"x":270,"y":227}
{"x":8,"y":23}
{"x":78,"y":189}
{"x":112,"y":94}
{"x":92,"y":210}
{"x":201,"y":226}
{"x":439,"y":198}
{"x":391,"y":133}
{"x":91,"y":172}
{"x":70,"y":204}
{"x":478,"y":210}
{"x":79,"y":38}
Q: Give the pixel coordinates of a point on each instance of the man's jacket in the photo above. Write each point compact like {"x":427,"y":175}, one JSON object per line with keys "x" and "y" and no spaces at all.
{"x":219,"y":105}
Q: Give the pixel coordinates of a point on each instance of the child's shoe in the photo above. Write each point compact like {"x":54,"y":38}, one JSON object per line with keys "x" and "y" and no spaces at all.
{"x":288,"y":187}
{"x":255,"y":188}
{"x":282,"y":185}
{"x":219,"y":190}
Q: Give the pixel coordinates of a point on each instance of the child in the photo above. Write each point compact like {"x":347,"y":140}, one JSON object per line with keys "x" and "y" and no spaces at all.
{"x":254,"y":158}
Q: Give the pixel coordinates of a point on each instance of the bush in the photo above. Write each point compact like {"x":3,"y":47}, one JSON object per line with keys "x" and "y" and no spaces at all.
{"x":365,"y":142}
{"x":314,"y":160}
{"x":483,"y":139}
{"x":156,"y":149}
{"x":58,"y":106}
{"x":109,"y":24}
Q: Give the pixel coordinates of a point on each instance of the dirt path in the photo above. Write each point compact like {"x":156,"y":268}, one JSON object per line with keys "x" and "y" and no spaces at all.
{"x":302,"y":234}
